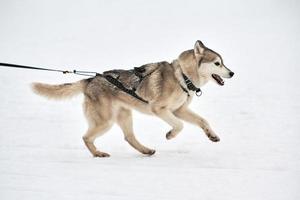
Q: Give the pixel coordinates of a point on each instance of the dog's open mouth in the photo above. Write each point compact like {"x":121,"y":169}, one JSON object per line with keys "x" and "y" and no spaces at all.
{"x":218,"y":79}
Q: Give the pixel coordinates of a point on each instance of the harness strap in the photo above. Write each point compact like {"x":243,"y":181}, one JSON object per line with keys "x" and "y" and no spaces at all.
{"x":119,"y":85}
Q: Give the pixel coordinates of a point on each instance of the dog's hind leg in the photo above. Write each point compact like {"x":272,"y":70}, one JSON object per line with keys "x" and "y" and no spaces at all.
{"x":90,"y":137}
{"x":99,"y":115}
{"x":124,"y":120}
{"x":171,"y":119}
{"x":187,"y":115}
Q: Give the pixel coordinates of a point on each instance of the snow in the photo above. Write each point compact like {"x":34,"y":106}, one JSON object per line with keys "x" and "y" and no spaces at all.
{"x":256,"y":114}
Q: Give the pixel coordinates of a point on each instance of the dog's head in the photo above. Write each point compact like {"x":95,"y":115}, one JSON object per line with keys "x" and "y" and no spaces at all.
{"x":210,"y":64}
{"x":206,"y":63}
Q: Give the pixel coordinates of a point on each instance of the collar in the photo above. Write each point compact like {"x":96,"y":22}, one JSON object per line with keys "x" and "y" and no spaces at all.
{"x":185,"y":83}
{"x":190,"y":85}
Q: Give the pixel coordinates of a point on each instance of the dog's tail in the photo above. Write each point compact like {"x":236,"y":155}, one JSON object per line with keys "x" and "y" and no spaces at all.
{"x":62,"y":91}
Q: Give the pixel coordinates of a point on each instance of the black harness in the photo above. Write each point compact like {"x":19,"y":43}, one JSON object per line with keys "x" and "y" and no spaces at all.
{"x":119,"y":85}
{"x":138,"y":72}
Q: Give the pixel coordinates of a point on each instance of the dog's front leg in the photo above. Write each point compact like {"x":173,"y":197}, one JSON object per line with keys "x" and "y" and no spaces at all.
{"x":187,"y":115}
{"x":171,"y":119}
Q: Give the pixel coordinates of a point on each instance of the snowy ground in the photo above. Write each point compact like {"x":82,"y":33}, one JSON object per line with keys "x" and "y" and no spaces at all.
{"x":256,"y":113}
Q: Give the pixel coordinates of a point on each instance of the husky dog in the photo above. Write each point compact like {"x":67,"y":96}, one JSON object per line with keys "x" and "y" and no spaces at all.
{"x":162,"y":89}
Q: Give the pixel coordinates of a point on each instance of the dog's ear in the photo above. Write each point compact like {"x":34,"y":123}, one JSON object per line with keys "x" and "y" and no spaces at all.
{"x":199,"y":48}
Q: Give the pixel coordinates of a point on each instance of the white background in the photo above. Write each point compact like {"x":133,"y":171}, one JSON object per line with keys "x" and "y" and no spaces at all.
{"x":256,"y":113}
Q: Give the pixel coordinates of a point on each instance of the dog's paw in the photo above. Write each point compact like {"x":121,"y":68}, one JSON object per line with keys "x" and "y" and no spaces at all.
{"x":149,"y":152}
{"x":101,"y":154}
{"x":214,"y":138}
{"x":170,"y":135}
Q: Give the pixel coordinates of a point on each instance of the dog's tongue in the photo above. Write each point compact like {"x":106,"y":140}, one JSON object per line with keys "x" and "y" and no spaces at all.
{"x":218,"y":79}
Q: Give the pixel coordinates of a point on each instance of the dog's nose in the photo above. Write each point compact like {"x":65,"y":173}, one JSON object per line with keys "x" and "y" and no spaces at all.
{"x":231,"y":74}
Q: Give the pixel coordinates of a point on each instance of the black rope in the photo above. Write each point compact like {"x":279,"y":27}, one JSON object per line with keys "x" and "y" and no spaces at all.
{"x":82,"y":73}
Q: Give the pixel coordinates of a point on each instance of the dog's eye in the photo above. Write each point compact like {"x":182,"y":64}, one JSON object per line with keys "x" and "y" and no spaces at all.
{"x":217,"y":63}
